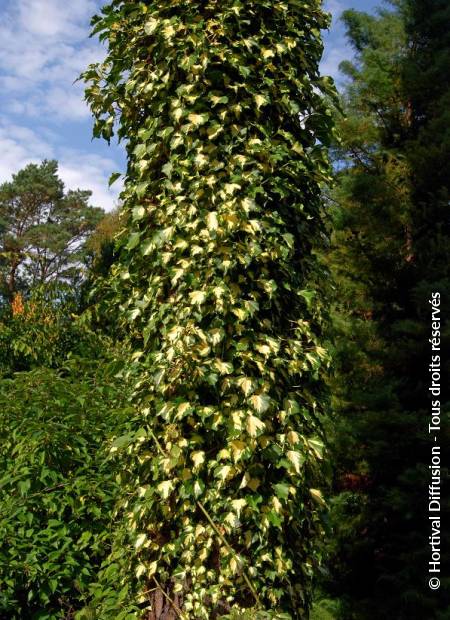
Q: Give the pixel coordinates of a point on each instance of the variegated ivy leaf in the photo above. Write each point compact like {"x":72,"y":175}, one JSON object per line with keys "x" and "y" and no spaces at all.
{"x":237,"y":448}
{"x":261,"y":101}
{"x":165,"y":488}
{"x":296,"y":459}
{"x":140,"y":540}
{"x":238,"y":505}
{"x":260,"y":402}
{"x":151,"y":25}
{"x":197,"y":297}
{"x":198,"y":458}
{"x":316,"y":494}
{"x":255,"y":426}
{"x":212,"y":221}
{"x":198,"y":119}
{"x":225,"y":368}
{"x":246,"y":384}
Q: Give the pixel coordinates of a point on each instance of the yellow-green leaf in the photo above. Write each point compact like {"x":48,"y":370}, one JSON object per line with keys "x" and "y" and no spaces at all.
{"x":211,"y":220}
{"x":260,"y":101}
{"x":255,"y":426}
{"x":260,"y":402}
{"x":246,"y":385}
{"x":197,"y":297}
{"x":296,"y":459}
{"x":316,"y":494}
{"x":165,"y":488}
{"x":140,"y":540}
{"x":198,"y":458}
{"x":198,"y":119}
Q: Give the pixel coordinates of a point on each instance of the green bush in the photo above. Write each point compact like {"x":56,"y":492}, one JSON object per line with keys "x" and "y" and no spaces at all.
{"x":41,"y":330}
{"x":57,"y":488}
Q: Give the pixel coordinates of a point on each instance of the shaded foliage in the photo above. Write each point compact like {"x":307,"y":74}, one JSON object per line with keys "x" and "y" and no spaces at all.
{"x":390,"y":253}
{"x":43,"y":330}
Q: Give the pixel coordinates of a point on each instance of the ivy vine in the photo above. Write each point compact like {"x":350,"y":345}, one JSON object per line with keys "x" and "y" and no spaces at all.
{"x":226,"y":123}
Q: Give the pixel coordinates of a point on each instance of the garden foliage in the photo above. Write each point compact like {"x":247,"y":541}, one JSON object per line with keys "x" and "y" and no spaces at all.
{"x":57,"y":487}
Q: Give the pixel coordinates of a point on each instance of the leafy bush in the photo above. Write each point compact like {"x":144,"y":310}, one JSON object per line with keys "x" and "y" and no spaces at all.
{"x":42,"y":330}
{"x":57,"y":488}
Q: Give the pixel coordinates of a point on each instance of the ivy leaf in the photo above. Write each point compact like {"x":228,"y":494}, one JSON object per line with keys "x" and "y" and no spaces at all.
{"x":133,"y":314}
{"x":198,"y":119}
{"x":165,"y":488}
{"x":238,"y":505}
{"x":282,"y":490}
{"x":198,"y":458}
{"x":316,"y":494}
{"x":255,"y":426}
{"x":246,"y":385}
{"x":296,"y":459}
{"x":308,"y":296}
{"x":199,"y":488}
{"x":212,"y":222}
{"x":133,"y":241}
{"x":122,"y":442}
{"x":237,"y":448}
{"x":197,"y":297}
{"x":225,"y":368}
{"x":223,"y":472}
{"x":151,"y":25}
{"x":260,"y":101}
{"x":317,"y":447}
{"x":138,"y":213}
{"x":260,"y":402}
{"x":140,"y":540}
{"x":113,"y":178}
{"x":140,"y":570}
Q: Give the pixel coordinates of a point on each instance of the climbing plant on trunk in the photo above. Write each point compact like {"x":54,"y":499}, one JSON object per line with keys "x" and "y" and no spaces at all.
{"x":226,"y":124}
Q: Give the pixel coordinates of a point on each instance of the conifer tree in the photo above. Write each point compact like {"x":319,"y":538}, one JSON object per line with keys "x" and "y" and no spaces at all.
{"x":43,"y":230}
{"x":390,"y":252}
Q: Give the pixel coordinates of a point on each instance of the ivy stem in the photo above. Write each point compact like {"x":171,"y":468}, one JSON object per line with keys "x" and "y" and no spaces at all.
{"x":172,"y":602}
{"x":219,"y":534}
{"x":230,"y":548}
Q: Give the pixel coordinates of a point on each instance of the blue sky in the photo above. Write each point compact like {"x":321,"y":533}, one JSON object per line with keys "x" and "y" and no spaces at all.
{"x":44,"y":45}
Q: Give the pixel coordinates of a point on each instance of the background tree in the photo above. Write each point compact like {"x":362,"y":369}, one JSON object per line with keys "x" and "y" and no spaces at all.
{"x":43,"y":229}
{"x":101,"y":245}
{"x":222,"y":108}
{"x":389,"y":253}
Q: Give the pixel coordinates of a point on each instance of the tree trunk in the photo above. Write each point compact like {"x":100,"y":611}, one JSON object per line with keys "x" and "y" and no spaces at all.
{"x":162,"y":608}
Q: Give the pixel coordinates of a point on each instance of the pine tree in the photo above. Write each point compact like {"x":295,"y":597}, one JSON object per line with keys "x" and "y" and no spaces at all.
{"x":43,"y":229}
{"x":382,"y":244}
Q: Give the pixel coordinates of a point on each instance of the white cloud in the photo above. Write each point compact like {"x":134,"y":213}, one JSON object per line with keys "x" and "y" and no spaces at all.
{"x":50,"y":18}
{"x":81,"y":171}
{"x":21,"y":146}
{"x":43,"y":48}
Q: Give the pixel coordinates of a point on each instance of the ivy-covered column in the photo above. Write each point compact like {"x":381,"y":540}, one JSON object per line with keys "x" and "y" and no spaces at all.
{"x":224,"y":116}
